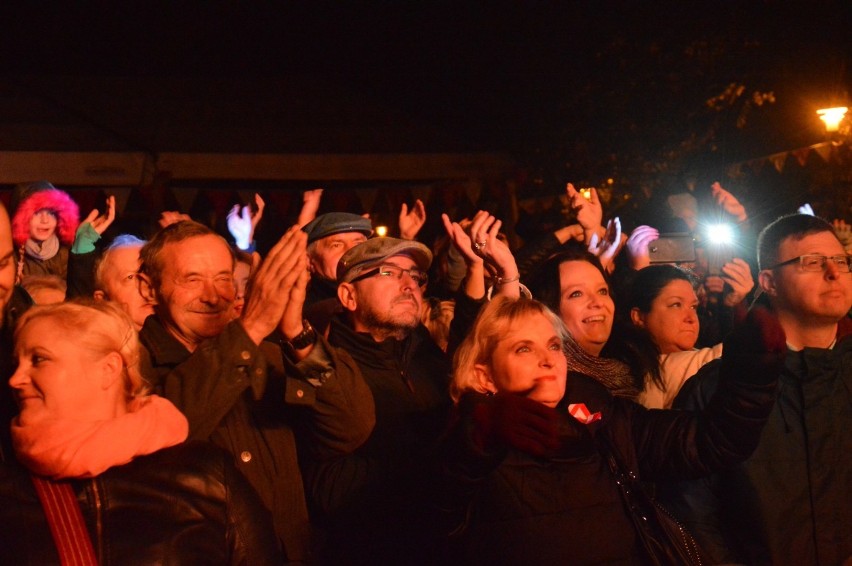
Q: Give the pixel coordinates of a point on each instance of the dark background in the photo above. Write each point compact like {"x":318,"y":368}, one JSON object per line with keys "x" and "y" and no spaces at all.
{"x":657,"y":96}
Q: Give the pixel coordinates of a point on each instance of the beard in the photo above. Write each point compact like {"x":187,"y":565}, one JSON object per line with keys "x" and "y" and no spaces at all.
{"x":393,"y":322}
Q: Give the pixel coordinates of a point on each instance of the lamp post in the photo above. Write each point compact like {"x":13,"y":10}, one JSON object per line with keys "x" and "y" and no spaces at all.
{"x":832,"y":117}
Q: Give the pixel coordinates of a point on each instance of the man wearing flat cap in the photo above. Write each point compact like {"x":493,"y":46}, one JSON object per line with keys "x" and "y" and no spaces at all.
{"x":372,"y":502}
{"x":329,"y":237}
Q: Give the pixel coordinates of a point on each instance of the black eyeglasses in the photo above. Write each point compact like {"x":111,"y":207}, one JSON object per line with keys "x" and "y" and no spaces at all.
{"x":391,"y":270}
{"x":817,"y":262}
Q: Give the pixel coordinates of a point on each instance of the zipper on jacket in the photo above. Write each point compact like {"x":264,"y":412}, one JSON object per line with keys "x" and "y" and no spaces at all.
{"x":96,"y":495}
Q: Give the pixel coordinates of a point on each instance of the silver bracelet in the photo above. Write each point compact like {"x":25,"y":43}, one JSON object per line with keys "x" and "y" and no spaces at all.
{"x":500,"y":281}
{"x":525,"y":292}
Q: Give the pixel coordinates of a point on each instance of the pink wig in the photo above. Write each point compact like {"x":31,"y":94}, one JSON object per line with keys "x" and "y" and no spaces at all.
{"x":67,"y":214}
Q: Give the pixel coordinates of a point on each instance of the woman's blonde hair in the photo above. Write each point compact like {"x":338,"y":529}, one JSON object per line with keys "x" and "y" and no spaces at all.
{"x":493,"y":323}
{"x":100,"y":327}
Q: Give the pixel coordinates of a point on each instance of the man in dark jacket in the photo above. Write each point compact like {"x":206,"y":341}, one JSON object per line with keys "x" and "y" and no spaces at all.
{"x":372,"y":501}
{"x":247,"y":394}
{"x":789,"y":502}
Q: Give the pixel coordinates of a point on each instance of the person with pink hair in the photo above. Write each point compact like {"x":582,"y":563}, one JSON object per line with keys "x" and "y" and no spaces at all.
{"x":43,"y":230}
{"x":46,"y":226}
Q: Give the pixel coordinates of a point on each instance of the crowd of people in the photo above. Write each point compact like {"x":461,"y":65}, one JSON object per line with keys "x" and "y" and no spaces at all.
{"x":590,"y":397}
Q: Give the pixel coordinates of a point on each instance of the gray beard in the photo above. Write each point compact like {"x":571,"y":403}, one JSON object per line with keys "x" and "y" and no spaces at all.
{"x":383,"y":326}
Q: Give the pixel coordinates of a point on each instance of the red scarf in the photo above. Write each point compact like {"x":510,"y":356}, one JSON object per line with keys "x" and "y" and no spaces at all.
{"x":63,"y":448}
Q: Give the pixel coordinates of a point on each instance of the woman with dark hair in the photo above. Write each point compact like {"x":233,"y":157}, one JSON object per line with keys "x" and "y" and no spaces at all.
{"x":105,"y":476}
{"x":574,"y":285}
{"x":664,"y":304}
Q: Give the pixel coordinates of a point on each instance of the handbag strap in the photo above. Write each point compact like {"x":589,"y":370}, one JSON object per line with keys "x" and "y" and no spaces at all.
{"x":66,"y":522}
{"x":639,"y":503}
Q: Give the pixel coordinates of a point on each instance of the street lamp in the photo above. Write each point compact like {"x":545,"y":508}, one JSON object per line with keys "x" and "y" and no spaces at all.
{"x":832,"y":117}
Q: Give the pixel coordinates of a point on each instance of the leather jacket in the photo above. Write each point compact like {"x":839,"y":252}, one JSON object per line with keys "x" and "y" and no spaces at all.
{"x":182,"y":505}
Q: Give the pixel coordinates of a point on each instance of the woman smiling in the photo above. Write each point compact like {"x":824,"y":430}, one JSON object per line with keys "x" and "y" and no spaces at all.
{"x":108,"y":479}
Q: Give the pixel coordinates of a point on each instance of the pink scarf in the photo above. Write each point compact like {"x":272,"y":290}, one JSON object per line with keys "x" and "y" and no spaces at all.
{"x":62,"y":448}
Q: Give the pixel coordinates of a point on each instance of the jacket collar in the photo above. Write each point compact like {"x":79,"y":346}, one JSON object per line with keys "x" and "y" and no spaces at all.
{"x":164,"y":348}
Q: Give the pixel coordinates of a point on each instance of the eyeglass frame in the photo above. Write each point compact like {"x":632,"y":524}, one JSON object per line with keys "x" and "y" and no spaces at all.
{"x":378,"y":269}
{"x":823,"y":262}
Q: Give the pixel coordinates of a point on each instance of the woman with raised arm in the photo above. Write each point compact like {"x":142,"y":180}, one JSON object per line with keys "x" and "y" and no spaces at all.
{"x":543,"y":465}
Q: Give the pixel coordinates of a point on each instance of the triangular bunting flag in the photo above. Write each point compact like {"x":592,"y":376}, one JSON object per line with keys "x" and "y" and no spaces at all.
{"x":801,"y":155}
{"x":735,"y":171}
{"x":121,"y":194}
{"x":185,"y":196}
{"x":423,"y":193}
{"x":246,"y":197}
{"x":824,"y":151}
{"x":473,"y":189}
{"x":367,"y":198}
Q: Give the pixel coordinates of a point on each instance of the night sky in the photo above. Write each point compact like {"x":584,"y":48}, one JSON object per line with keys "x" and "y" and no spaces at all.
{"x":567,"y":82}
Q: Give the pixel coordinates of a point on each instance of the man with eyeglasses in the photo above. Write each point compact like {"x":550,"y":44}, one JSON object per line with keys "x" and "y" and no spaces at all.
{"x":374,"y":502}
{"x":791,"y":502}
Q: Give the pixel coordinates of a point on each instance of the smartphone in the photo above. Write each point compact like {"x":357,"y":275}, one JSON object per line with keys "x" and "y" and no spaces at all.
{"x":672,"y":248}
{"x":717,"y":256}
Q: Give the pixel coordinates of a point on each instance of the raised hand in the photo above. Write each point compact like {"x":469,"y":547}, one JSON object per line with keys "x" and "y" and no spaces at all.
{"x":410,"y":222}
{"x":310,"y":206}
{"x":474,"y":282}
{"x":169,"y":217}
{"x":457,"y":232}
{"x":638,"y":246}
{"x":589,"y":211}
{"x":101,"y":223}
{"x":92,"y":228}
{"x":729,"y":202}
{"x":242,"y":222}
{"x":607,"y":248}
{"x":495,"y":252}
{"x":737,"y":274}
{"x":278,"y":282}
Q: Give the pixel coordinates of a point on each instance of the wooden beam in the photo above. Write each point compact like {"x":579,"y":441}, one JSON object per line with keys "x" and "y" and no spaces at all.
{"x":127,"y":168}
{"x":72,"y":167}
{"x":334,"y":167}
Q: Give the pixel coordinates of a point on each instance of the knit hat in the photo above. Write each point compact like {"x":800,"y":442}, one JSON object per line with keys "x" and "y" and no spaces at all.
{"x":335,"y":223}
{"x":376,"y":251}
{"x":43,"y":195}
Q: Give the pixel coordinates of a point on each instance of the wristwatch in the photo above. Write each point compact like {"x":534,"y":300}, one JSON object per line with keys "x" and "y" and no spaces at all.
{"x":307,"y":337}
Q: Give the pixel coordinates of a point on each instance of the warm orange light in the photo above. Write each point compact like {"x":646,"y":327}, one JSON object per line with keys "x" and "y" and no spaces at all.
{"x":381,"y":231}
{"x":832,"y":117}
{"x":587,"y":193}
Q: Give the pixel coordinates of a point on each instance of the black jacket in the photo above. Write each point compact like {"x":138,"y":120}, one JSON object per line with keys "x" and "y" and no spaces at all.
{"x":791,"y":501}
{"x":513,"y":508}
{"x":182,"y":505}
{"x":371,"y":501}
{"x":242,"y":398}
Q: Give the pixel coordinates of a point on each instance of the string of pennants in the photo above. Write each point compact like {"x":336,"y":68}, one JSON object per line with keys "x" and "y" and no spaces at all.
{"x":828,"y":152}
{"x":281,"y":202}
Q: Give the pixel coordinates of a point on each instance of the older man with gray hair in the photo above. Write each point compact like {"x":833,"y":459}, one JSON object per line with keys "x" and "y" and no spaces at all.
{"x":249,"y":384}
{"x":117,"y":278}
